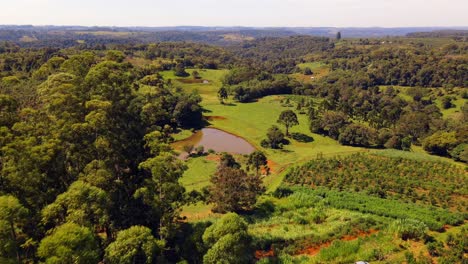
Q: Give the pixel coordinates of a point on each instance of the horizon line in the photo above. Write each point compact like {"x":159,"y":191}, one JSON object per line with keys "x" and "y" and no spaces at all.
{"x":232,"y":26}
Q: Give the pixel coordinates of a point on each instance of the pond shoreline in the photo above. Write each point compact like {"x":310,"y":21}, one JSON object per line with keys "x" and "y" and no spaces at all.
{"x":212,"y":138}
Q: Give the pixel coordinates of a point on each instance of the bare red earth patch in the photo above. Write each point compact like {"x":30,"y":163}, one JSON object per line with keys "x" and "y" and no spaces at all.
{"x":315,"y":249}
{"x":213,"y":157}
{"x":259,"y":254}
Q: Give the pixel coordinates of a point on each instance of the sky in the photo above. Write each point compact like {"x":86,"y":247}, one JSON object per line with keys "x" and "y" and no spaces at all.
{"x":260,"y":13}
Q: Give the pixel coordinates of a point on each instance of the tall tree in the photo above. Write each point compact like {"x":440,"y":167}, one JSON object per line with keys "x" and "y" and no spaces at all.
{"x":70,"y":243}
{"x":256,"y":160}
{"x":12,"y":219}
{"x":162,"y":191}
{"x":288,"y":118}
{"x":222,"y":94}
{"x":227,"y":160}
{"x":82,"y":204}
{"x":228,"y":240}
{"x":134,"y":245}
{"x":275,"y":137}
{"x":338,"y":35}
{"x":233,"y":190}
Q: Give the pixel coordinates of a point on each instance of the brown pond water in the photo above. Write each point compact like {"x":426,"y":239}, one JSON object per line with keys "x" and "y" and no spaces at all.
{"x":217,"y":140}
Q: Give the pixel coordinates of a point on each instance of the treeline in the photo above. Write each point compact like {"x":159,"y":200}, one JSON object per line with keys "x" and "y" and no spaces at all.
{"x":456,"y":34}
{"x":404,"y":65}
{"x":280,"y":55}
{"x":369,"y":116}
{"x":246,"y":84}
{"x":30,"y":37}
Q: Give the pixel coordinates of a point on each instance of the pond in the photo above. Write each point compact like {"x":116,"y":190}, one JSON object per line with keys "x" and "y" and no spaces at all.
{"x":217,"y":140}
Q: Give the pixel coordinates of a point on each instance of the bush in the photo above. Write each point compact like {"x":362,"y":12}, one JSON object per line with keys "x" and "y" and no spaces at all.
{"x":460,"y":153}
{"x":409,"y":229}
{"x":440,"y":143}
{"x":282,"y":192}
{"x":200,"y":150}
{"x":275,"y":138}
{"x":357,"y":135}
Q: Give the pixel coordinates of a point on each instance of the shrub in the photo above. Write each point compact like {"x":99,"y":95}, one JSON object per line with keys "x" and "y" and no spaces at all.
{"x":409,"y":229}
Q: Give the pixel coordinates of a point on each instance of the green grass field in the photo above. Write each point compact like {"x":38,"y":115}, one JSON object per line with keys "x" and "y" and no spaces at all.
{"x":198,"y":174}
{"x":208,"y":91}
{"x":252,"y":120}
{"x":318,"y":68}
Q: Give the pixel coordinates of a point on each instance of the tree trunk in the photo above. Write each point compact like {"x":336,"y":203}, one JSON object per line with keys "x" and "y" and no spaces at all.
{"x":13,"y":234}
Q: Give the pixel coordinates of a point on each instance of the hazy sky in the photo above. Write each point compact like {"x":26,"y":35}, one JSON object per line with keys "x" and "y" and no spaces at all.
{"x":340,"y":13}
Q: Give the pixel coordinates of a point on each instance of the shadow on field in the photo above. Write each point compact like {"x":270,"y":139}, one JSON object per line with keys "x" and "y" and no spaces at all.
{"x":262,"y":210}
{"x":300,"y":137}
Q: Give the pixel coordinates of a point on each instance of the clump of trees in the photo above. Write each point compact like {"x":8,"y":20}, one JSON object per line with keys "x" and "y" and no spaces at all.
{"x":85,"y":155}
{"x":233,"y":189}
{"x":275,"y":138}
{"x":179,"y":71}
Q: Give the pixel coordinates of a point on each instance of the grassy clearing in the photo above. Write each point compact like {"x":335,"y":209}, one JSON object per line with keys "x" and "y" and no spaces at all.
{"x":208,"y":91}
{"x":319,"y":70}
{"x":312,"y":65}
{"x":198,"y":212}
{"x":252,"y":120}
{"x":182,"y":134}
{"x":198,"y":174}
{"x":453,"y":112}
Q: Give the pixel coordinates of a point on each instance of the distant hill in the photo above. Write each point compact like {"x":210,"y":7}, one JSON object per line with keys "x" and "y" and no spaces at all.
{"x":65,"y":36}
{"x":440,"y":34}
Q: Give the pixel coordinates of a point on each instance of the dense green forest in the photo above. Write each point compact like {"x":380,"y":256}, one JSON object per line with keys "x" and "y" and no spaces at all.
{"x":358,"y":142}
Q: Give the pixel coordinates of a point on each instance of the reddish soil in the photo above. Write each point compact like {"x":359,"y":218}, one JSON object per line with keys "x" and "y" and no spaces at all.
{"x":315,"y":249}
{"x":358,"y":235}
{"x":259,"y":254}
{"x":213,"y":157}
{"x":272,"y":165}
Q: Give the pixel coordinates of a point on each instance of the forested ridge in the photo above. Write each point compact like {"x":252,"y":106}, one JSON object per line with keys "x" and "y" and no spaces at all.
{"x":88,"y":173}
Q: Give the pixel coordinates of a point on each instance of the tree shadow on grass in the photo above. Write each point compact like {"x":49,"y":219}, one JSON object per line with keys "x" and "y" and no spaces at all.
{"x":262,"y":210}
{"x":230,"y":104}
{"x":300,"y":137}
